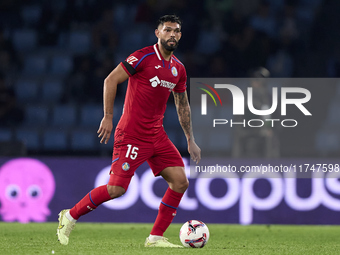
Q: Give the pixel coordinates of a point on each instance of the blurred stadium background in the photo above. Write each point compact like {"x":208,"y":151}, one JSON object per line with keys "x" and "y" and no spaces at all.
{"x":55,"y":55}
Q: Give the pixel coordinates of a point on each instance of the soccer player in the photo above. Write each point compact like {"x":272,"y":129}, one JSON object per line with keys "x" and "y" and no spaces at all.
{"x":153,"y":72}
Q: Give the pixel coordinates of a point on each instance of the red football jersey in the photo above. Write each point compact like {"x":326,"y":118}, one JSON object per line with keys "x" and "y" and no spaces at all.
{"x":151,"y":81}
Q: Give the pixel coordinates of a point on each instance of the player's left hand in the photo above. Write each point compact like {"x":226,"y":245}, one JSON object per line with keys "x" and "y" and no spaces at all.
{"x":195,"y":151}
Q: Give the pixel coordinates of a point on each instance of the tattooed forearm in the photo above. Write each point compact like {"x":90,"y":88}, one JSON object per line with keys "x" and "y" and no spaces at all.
{"x":184,"y":114}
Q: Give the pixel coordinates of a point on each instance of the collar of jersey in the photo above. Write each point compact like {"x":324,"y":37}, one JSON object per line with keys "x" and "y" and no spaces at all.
{"x":159,"y":55}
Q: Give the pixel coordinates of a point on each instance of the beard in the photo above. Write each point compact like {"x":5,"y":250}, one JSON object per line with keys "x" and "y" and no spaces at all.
{"x":169,"y":47}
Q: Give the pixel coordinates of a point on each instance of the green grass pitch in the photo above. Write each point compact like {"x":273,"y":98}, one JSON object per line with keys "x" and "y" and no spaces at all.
{"x":114,"y":238}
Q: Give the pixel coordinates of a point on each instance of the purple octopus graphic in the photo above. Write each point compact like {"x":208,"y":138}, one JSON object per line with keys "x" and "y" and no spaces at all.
{"x":26,"y":188}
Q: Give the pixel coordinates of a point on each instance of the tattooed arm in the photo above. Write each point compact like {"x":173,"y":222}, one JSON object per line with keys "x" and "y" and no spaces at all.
{"x":184,"y":116}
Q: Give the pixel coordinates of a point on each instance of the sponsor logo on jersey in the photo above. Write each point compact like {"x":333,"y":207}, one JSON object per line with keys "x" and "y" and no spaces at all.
{"x":154,"y":81}
{"x":157,"y":66}
{"x":131,"y":59}
{"x":166,"y":84}
{"x":174,"y":71}
{"x":125,"y":166}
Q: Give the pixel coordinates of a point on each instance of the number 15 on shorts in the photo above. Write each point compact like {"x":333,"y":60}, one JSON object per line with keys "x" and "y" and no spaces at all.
{"x":131,"y":152}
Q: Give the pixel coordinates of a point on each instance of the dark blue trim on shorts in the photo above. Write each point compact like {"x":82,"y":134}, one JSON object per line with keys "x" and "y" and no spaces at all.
{"x":169,"y":205}
{"x":92,"y":200}
{"x":115,"y":160}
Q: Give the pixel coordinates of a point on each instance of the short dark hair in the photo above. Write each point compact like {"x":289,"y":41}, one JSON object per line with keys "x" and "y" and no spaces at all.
{"x":169,"y":18}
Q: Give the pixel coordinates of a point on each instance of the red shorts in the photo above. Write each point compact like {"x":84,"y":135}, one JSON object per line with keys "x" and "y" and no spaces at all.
{"x":129,"y":153}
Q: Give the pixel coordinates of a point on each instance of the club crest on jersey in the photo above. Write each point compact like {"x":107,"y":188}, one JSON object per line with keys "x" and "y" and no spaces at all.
{"x":174,"y":71}
{"x":125,"y":166}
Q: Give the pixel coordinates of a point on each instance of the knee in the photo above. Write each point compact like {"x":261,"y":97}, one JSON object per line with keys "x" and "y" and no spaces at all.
{"x":185,"y":185}
{"x":181,"y":186}
{"x":115,"y":191}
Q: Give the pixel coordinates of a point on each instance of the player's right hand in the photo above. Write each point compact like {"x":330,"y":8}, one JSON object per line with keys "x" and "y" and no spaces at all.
{"x":195,"y":151}
{"x":105,"y":129}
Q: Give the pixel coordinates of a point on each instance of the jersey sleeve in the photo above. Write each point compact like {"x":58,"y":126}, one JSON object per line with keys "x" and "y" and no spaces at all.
{"x":133,"y":63}
{"x":181,"y":86}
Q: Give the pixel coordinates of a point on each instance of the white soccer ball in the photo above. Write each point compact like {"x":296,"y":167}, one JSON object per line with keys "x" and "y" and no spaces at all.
{"x":194,"y":233}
